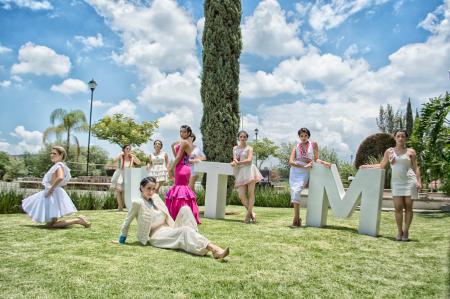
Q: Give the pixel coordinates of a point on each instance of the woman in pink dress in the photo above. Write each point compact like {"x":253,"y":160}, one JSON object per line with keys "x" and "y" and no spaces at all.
{"x":180,"y":194}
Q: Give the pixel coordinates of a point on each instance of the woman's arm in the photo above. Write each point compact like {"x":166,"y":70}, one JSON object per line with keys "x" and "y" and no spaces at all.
{"x":316,"y":156}
{"x":166,"y":158}
{"x":249,"y":158}
{"x":136,"y":160}
{"x":292,"y":159}
{"x":172,"y":146}
{"x":183,"y":147}
{"x":416,"y":168}
{"x":57,"y":178}
{"x":132,"y":213}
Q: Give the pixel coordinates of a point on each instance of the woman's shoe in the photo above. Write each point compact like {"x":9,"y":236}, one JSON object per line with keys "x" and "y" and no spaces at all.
{"x":253,"y":219}
{"x":247,"y":218}
{"x":405,"y":237}
{"x":221,"y":255}
{"x":296,"y":223}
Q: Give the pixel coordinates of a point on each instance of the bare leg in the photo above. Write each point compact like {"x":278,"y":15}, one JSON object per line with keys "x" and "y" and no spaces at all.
{"x":64,"y":223}
{"x":296,"y":220}
{"x":251,"y":200}
{"x":243,"y":197}
{"x":119,"y":198}
{"x":408,"y":216}
{"x":218,"y":253}
{"x":192,"y":181}
{"x":399,"y":205}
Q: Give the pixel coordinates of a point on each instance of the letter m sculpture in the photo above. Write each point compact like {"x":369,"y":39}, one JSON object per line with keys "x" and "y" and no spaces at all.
{"x":326,"y":190}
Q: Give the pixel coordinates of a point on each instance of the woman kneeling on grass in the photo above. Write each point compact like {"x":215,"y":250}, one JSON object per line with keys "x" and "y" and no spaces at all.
{"x":157,"y":227}
{"x":53,"y":202}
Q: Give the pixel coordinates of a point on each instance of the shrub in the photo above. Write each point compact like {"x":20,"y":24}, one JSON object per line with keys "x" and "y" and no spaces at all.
{"x":373,"y":146}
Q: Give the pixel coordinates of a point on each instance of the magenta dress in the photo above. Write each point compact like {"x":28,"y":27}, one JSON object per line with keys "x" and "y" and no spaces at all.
{"x":180,"y":194}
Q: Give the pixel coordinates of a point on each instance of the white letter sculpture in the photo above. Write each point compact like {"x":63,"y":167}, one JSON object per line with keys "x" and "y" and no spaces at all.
{"x":131,"y":181}
{"x":325,"y":190}
{"x":216,"y":187}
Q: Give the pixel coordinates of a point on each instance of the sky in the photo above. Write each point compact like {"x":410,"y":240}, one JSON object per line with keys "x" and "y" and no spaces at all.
{"x":324,"y":65}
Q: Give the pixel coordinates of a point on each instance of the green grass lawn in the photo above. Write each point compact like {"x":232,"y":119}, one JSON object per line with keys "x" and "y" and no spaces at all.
{"x":268,"y":260}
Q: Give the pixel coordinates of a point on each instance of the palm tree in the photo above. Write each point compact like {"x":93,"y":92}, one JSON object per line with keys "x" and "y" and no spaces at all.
{"x":73,"y":121}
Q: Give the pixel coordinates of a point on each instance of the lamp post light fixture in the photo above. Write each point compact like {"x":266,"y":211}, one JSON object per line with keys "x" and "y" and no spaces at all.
{"x":256,"y":143}
{"x":92,"y":85}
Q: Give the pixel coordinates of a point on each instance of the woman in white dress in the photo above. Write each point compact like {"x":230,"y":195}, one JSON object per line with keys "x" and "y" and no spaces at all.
{"x":196,"y":156}
{"x":246,"y":175}
{"x":405,"y":181}
{"x":301,"y":160}
{"x":123,"y":160}
{"x":155,"y":226}
{"x":53,"y":202}
{"x":158,"y":165}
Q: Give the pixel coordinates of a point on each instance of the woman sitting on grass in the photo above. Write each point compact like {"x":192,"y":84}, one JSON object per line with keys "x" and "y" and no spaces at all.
{"x":157,"y":227}
{"x":53,"y":202}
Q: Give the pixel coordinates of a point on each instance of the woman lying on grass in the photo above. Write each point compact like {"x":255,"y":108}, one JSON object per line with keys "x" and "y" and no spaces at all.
{"x":157,"y":227}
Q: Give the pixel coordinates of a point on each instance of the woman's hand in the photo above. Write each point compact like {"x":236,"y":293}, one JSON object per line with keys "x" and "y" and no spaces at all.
{"x":309,"y":165}
{"x":364,"y":166}
{"x":48,"y":193}
{"x":419,"y":186}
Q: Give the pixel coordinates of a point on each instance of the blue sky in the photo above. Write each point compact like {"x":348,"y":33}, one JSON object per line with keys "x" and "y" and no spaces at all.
{"x":326,"y":65}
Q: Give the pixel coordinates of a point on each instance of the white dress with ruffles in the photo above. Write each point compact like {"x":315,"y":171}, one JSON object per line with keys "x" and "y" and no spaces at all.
{"x":58,"y":204}
{"x":158,"y":168}
{"x":245,"y":174}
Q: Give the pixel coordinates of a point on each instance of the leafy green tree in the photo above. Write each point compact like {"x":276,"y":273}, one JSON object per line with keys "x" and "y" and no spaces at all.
{"x":14,"y":169}
{"x":329,"y":155}
{"x":121,"y":130}
{"x":283,"y":153}
{"x":4,"y":161}
{"x":431,"y":139}
{"x":263,"y":148}
{"x":409,"y":118}
{"x":220,"y":78}
{"x":70,"y":122}
{"x":388,"y":121}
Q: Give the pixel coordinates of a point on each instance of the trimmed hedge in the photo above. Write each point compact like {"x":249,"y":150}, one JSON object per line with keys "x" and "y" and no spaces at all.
{"x":373,"y":146}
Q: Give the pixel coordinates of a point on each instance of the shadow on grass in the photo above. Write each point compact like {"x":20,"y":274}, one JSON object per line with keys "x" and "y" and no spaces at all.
{"x":433,"y":215}
{"x":44,"y":226}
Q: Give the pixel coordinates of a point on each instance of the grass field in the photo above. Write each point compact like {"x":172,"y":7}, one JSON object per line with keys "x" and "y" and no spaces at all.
{"x":268,"y":260}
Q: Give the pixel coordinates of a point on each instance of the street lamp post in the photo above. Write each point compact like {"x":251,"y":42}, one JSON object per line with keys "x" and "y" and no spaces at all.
{"x":92,"y":86}
{"x":256,"y":143}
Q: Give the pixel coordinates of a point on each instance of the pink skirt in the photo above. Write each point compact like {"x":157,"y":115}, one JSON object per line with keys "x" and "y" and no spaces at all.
{"x":179,"y":196}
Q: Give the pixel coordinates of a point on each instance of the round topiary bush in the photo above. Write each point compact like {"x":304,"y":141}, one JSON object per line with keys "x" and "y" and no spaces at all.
{"x":373,"y":146}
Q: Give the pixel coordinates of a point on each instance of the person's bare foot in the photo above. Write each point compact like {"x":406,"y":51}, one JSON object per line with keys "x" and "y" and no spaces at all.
{"x":405,"y":237}
{"x":221,"y":254}
{"x":85,"y":221}
{"x":297,"y":222}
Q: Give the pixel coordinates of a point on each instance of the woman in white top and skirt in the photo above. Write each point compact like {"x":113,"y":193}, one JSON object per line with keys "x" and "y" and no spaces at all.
{"x":158,"y":165}
{"x":246,"y":175}
{"x":155,"y":226}
{"x":405,"y":181}
{"x":301,"y":160}
{"x":53,"y":202}
{"x":123,"y":160}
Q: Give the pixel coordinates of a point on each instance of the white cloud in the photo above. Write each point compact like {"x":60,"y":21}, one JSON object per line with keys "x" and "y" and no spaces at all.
{"x":5,"y":83}
{"x":173,"y":91}
{"x":90,"y":42}
{"x":268,"y":33}
{"x":4,"y":50}
{"x":160,"y":36}
{"x":41,"y":60}
{"x":200,"y":28}
{"x":100,"y":104}
{"x":31,"y":141}
{"x":16,"y":78}
{"x":31,"y":4}
{"x":330,"y":15}
{"x":125,"y":107}
{"x":70,"y":86}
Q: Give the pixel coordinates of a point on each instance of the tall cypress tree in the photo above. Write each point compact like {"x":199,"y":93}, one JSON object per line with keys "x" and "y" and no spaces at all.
{"x":222,"y":46}
{"x":409,"y":118}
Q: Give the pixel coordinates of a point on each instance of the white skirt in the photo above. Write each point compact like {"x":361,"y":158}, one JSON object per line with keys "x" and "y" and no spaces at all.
{"x":298,"y":179}
{"x":44,"y":209}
